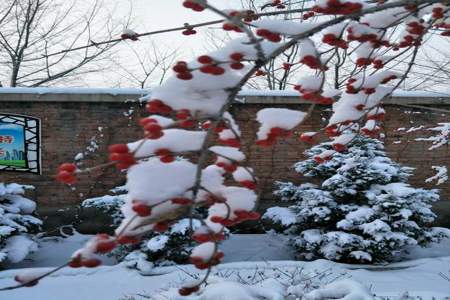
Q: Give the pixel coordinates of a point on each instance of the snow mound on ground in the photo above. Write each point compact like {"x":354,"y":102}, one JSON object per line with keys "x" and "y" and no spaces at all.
{"x":344,"y":289}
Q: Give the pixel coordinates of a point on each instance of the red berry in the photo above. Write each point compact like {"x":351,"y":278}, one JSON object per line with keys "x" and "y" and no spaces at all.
{"x":105,"y":246}
{"x":237,"y":56}
{"x":66,"y":177}
{"x":186,"y":291}
{"x":161,"y":227}
{"x":185,"y":76}
{"x":167,"y":159}
{"x":141,"y":209}
{"x":181,"y":201}
{"x":91,"y":262}
{"x":127,"y":240}
{"x":205,"y":59}
{"x":237,"y":66}
{"x":68,"y":167}
{"x":119,"y":148}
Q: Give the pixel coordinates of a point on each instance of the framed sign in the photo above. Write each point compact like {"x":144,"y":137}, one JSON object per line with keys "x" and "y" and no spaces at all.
{"x":20,"y":148}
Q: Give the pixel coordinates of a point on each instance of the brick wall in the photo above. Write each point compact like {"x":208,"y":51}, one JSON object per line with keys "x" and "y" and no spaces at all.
{"x":69,"y":121}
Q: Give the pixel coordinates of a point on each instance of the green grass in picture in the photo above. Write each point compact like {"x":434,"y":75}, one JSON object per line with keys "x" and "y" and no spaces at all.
{"x":14,"y":163}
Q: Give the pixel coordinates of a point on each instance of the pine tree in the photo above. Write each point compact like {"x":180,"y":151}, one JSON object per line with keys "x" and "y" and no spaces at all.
{"x":17,"y":223}
{"x":363,"y":211}
{"x":155,"y":249}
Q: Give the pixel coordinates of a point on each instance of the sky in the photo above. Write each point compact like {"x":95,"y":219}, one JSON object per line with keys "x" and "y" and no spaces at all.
{"x":151,"y":15}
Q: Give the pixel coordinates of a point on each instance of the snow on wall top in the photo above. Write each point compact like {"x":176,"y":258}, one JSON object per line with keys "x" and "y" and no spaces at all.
{"x":96,"y":93}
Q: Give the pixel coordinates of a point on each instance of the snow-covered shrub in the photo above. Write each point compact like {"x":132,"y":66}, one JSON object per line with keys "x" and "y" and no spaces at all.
{"x":364,"y":211}
{"x":17,"y":223}
{"x":172,"y":246}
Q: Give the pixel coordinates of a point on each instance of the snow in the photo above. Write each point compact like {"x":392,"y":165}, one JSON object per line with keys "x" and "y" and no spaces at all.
{"x":140,"y":92}
{"x":18,"y":247}
{"x":283,"y":26}
{"x":419,"y":277}
{"x":157,"y":243}
{"x":343,"y":289}
{"x":282,"y":118}
{"x":441,"y":175}
{"x":174,"y":140}
{"x":282,"y":215}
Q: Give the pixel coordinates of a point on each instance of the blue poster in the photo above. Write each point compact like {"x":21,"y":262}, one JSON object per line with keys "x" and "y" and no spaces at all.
{"x":12,"y":145}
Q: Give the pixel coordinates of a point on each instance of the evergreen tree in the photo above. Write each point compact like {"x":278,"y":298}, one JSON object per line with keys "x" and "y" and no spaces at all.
{"x":363,"y":211}
{"x":17,"y":223}
{"x":155,"y":249}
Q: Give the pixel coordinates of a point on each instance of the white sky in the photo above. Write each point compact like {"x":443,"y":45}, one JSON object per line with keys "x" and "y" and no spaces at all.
{"x":150,"y":15}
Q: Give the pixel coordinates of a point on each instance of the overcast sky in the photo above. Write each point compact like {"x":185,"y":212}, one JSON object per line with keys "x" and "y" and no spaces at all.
{"x":150,"y":15}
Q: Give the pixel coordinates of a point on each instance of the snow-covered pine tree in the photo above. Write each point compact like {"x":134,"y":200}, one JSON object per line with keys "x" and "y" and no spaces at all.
{"x":17,"y":223}
{"x":154,"y":249}
{"x":363,"y":211}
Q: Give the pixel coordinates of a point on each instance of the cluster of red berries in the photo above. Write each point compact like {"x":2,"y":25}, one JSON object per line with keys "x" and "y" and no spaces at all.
{"x":408,"y":41}
{"x":156,"y":106}
{"x":120,"y":154}
{"x":186,"y":291}
{"x":228,"y":167}
{"x":182,"y":70}
{"x":307,"y":138}
{"x":236,"y":59}
{"x":308,"y":15}
{"x":165,"y":155}
{"x":208,"y":237}
{"x":189,"y":31}
{"x":339,"y":147}
{"x":181,"y":201}
{"x":66,"y":173}
{"x":193,"y":5}
{"x":260,"y":73}
{"x":272,"y":137}
{"x":333,"y":40}
{"x":269,"y":35}
{"x":152,"y":130}
{"x":415,"y":28}
{"x":361,"y":38}
{"x":277,"y":3}
{"x":227,"y":26}
{"x":251,"y":185}
{"x":373,"y":133}
{"x":313,"y":96}
{"x":336,"y":7}
{"x":241,"y":216}
{"x":79,"y":261}
{"x":377,"y":117}
{"x":311,"y":61}
{"x":185,"y":118}
{"x":104,"y":243}
{"x":363,"y":61}
{"x":246,"y":15}
{"x":437,"y":13}
{"x":378,"y":64}
{"x":320,"y":159}
{"x":202,"y":264}
{"x":141,"y":208}
{"x":210,"y":66}
{"x":332,"y":131}
{"x":389,"y":78}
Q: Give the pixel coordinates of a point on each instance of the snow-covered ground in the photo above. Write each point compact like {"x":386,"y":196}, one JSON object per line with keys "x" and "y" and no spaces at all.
{"x":249,"y":258}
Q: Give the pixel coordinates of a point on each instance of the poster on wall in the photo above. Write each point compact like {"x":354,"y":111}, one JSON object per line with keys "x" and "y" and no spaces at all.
{"x":20,"y":148}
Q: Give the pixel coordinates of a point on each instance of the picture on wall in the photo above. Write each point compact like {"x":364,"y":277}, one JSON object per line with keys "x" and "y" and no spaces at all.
{"x":20,"y":144}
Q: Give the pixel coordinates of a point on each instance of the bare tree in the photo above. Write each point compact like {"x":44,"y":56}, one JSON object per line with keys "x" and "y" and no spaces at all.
{"x":31,"y":29}
{"x":144,"y":65}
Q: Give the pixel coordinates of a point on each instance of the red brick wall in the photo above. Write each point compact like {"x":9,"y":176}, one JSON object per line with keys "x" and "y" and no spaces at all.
{"x":68,"y":126}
